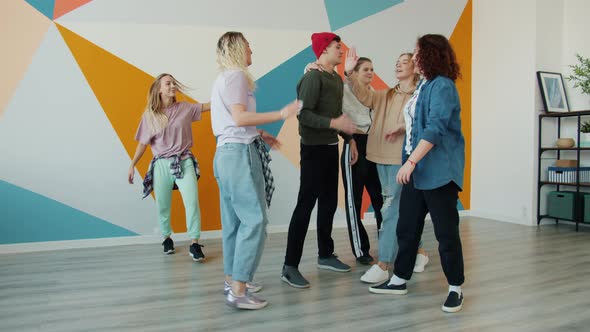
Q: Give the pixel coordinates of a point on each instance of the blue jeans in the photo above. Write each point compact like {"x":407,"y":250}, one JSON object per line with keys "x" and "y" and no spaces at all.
{"x":238,"y":170}
{"x":391,"y":190}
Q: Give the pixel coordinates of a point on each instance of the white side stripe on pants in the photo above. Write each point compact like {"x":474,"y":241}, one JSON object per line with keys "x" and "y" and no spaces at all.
{"x":356,"y":239}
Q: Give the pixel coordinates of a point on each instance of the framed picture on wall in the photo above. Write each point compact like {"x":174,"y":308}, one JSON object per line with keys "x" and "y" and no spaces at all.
{"x":553,"y":92}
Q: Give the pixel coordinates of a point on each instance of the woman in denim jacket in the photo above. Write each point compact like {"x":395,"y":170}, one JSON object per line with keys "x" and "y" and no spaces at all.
{"x":432,"y":171}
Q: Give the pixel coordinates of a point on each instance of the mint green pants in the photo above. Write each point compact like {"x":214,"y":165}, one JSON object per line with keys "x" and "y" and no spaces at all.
{"x":163,"y":184}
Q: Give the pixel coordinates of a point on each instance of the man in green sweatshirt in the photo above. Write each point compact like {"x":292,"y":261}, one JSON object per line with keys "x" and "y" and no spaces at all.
{"x":320,"y":122}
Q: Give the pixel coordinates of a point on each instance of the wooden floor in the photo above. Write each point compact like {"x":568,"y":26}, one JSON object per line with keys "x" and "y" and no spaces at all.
{"x":518,"y":278}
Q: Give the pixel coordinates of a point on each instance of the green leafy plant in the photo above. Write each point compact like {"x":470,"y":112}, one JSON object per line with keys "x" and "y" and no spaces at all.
{"x":581,"y":74}
{"x":585,"y":127}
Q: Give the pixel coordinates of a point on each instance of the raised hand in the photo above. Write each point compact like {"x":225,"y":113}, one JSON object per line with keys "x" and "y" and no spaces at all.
{"x":351,"y":60}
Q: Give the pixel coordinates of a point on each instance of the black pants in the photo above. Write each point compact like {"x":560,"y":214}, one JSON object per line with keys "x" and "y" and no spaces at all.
{"x":363,"y":174}
{"x":318,"y":181}
{"x":442,"y":205}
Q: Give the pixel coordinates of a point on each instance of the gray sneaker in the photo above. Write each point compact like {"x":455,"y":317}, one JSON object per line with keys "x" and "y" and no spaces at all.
{"x":332,"y":263}
{"x":248,"y":301}
{"x":293,"y":277}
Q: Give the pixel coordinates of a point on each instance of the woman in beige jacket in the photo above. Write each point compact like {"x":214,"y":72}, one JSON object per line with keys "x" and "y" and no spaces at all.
{"x":384,"y":147}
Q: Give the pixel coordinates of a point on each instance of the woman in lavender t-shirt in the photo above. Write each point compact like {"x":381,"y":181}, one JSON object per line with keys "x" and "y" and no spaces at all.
{"x":241,"y":168}
{"x":166,"y":127}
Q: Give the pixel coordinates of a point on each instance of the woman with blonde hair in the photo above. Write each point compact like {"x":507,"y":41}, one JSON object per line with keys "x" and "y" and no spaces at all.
{"x":384,"y":148}
{"x":241,"y":167}
{"x":166,"y":127}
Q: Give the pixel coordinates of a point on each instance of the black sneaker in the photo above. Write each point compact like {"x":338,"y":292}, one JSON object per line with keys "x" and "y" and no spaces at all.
{"x":196,"y":253}
{"x":365,"y":259}
{"x":168,"y":246}
{"x":453,"y":303}
{"x":385,"y":288}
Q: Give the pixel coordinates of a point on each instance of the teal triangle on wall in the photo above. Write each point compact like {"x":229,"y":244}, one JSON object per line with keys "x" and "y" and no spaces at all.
{"x":344,"y":12}
{"x":279,"y":86}
{"x":29,"y":217}
{"x":45,"y":7}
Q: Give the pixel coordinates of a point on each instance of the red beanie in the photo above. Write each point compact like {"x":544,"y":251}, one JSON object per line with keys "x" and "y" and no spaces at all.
{"x":321,"y":40}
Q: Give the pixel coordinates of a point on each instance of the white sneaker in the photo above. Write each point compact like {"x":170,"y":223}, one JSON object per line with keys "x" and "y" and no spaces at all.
{"x":375,"y":275}
{"x":421,"y":261}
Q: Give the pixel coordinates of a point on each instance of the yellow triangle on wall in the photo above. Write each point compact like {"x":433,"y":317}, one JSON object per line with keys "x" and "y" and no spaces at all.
{"x":121,"y":90}
{"x":461,"y":41}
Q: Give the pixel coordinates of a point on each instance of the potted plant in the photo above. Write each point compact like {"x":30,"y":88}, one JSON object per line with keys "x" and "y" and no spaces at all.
{"x":585,"y":134}
{"x":581,"y":74}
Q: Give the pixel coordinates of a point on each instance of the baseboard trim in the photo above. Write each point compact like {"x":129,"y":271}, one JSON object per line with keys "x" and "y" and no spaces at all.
{"x":501,"y":218}
{"x":130,"y":240}
{"x":462,"y":213}
{"x":151,"y":239}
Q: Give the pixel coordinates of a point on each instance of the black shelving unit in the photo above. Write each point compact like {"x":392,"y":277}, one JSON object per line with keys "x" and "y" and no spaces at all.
{"x":578,"y":211}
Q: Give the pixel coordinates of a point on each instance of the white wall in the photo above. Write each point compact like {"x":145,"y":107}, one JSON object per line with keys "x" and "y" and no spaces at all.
{"x":575,"y":40}
{"x":561,"y":29}
{"x":549,"y":38}
{"x":503,"y":105}
{"x":511,"y":41}
{"x":549,"y":57}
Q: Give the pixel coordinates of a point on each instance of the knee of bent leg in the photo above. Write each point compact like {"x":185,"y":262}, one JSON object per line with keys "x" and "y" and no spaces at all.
{"x":387,"y":201}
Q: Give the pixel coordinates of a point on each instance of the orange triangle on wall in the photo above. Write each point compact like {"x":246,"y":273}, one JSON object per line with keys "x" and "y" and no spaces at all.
{"x":63,"y":7}
{"x":121,"y":90}
{"x":461,"y":41}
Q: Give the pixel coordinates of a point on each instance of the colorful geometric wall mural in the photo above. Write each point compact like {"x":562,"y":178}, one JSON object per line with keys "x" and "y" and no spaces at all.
{"x":76,"y":80}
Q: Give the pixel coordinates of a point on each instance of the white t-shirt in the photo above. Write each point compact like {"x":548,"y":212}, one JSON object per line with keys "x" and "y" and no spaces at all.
{"x":409,"y":111}
{"x":231,"y":87}
{"x":355,"y":110}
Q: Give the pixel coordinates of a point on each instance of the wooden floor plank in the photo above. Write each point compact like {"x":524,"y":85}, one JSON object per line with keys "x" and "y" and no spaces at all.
{"x":518,"y":278}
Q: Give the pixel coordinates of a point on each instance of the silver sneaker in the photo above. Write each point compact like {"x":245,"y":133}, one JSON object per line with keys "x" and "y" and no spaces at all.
{"x":332,"y":263}
{"x":248,"y":301}
{"x":252,"y":287}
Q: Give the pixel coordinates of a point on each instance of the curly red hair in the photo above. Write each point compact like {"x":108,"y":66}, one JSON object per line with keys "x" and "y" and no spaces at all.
{"x":436,"y":57}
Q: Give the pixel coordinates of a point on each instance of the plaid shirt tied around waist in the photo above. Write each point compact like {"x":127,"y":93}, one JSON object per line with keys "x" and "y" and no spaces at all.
{"x":175,"y":170}
{"x":269,"y":186}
